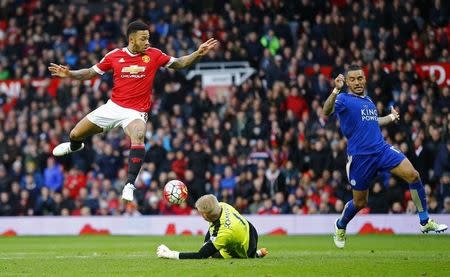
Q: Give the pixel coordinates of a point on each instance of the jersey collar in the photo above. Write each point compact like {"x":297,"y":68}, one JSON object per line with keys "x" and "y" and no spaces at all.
{"x":217,"y":222}
{"x":351,"y":93}
{"x":128,"y":52}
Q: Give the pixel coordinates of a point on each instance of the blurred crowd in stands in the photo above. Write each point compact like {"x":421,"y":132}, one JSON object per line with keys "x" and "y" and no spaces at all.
{"x":266,"y":147}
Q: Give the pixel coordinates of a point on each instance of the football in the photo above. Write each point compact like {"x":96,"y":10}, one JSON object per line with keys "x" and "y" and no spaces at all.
{"x":175,"y":192}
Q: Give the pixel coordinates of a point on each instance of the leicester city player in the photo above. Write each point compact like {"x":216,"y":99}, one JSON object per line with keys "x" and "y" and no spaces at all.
{"x":230,"y":235}
{"x":367,"y":151}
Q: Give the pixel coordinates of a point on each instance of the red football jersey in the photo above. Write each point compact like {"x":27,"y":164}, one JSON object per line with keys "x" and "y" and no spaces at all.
{"x":133,"y":75}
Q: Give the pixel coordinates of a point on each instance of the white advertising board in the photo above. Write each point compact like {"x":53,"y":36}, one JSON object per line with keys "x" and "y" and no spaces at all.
{"x":195,"y":225}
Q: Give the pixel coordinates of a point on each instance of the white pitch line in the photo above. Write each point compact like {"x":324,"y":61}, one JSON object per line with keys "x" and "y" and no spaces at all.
{"x":15,"y":256}
{"x":100,"y":256}
{"x":24,"y":253}
{"x":74,"y":257}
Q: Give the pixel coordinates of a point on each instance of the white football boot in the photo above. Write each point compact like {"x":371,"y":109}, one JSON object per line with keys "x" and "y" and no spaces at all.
{"x":339,"y":236}
{"x":127,"y":192}
{"x":433,"y":226}
{"x":64,"y":149}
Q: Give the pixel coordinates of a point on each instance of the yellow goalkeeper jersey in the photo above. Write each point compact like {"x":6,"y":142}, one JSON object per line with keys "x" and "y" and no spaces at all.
{"x":230,"y":233}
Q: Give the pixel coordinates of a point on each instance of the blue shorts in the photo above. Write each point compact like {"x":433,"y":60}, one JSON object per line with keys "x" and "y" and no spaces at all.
{"x":361,"y":169}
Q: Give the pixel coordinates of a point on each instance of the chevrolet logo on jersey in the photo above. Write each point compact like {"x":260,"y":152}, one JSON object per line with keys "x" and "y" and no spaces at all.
{"x":133,"y":69}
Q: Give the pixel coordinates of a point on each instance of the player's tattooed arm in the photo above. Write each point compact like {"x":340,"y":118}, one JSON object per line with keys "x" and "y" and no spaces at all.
{"x":63,"y":71}
{"x":328,"y":106}
{"x":186,"y":61}
{"x":394,"y":116}
{"x":82,"y":74}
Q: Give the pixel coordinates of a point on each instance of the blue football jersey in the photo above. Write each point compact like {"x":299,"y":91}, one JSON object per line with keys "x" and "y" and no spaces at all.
{"x":359,"y":123}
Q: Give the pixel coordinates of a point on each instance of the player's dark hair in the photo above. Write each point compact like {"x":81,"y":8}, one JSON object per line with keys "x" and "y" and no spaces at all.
{"x":135,"y":26}
{"x":352,"y":67}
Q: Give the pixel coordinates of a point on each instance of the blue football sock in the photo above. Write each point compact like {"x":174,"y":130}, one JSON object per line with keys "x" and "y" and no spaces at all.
{"x":420,"y":200}
{"x":347,"y":214}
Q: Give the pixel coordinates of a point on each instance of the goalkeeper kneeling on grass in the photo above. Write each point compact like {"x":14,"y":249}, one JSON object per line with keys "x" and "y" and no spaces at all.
{"x":230,"y":235}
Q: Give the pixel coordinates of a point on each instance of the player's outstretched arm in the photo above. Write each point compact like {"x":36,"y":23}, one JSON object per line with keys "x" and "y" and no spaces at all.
{"x":208,"y":249}
{"x":394,"y":116}
{"x":63,"y":71}
{"x":186,"y":61}
{"x":328,"y":106}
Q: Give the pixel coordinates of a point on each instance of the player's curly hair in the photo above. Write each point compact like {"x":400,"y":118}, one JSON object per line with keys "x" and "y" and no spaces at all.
{"x":135,"y":26}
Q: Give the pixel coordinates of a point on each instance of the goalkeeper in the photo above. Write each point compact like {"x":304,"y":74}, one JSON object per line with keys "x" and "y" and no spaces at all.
{"x":230,"y":235}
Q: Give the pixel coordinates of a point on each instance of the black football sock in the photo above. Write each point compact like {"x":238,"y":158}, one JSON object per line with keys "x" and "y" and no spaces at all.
{"x":137,"y":153}
{"x":75,"y":145}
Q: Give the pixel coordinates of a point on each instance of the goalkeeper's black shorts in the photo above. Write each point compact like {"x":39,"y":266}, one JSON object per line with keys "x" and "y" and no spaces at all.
{"x":253,"y":241}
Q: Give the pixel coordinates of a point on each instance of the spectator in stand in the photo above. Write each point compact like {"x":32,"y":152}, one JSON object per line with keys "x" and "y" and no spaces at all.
{"x":74,"y":182}
{"x":256,"y":204}
{"x":275,"y":181}
{"x":228,"y":181}
{"x":179,"y":165}
{"x":442,"y":189}
{"x":281,"y":204}
{"x":296,"y":103}
{"x":5,"y":180}
{"x":446,"y":209}
{"x":442,"y":160}
{"x":44,"y":204}
{"x":271,"y":42}
{"x":53,"y":175}
{"x":108,"y":162}
{"x":377,"y":202}
{"x":6,"y":209}
{"x":395,"y":194}
{"x":268,"y":208}
{"x":196,"y":186}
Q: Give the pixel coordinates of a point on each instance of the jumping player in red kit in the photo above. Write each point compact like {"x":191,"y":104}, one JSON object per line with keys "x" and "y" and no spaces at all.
{"x":134,"y":69}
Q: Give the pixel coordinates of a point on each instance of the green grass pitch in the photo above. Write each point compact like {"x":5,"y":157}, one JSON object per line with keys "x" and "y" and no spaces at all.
{"x":377,"y":255}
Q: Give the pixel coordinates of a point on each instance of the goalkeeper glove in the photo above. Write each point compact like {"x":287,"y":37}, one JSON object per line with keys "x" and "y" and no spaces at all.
{"x":164,"y":252}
